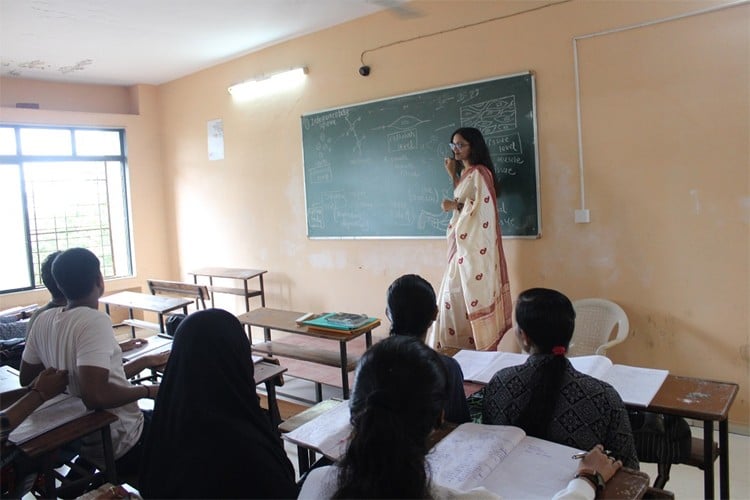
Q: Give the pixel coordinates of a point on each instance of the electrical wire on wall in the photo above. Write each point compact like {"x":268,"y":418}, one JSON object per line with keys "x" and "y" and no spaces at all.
{"x":364,"y":70}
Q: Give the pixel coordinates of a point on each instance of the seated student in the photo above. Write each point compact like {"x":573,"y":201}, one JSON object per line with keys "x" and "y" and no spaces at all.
{"x":398,"y":400}
{"x":57,"y":300}
{"x":79,"y":338}
{"x":546,"y":396}
{"x":412,"y":308}
{"x":19,"y":473}
{"x":209,"y":437}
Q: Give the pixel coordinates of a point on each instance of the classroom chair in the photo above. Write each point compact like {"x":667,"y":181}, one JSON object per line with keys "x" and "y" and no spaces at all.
{"x":595,"y":320}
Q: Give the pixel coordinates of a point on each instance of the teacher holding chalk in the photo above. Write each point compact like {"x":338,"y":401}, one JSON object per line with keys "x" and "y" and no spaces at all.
{"x":474,"y":302}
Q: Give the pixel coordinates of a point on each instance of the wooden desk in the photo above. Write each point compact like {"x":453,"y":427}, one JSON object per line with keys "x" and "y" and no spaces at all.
{"x":708,"y":401}
{"x":627,"y":483}
{"x":43,"y":447}
{"x":155,"y":303}
{"x":276,"y":319}
{"x":267,"y":373}
{"x":235,"y":274}
{"x":705,"y":400}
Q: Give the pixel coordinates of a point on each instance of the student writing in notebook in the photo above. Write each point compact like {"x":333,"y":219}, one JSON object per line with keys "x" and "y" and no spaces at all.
{"x":546,"y":396}
{"x":209,"y":437}
{"x":411,"y":310}
{"x":398,"y":400}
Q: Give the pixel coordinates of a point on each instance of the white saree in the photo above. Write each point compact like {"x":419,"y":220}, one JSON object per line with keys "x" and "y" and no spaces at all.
{"x":474,"y":302}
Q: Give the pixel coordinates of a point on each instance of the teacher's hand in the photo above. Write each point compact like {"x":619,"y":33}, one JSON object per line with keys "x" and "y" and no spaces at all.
{"x":448,"y":205}
{"x":450,"y":167}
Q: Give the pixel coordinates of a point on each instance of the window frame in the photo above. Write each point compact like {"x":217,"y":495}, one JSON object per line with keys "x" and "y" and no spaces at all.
{"x":18,"y":160}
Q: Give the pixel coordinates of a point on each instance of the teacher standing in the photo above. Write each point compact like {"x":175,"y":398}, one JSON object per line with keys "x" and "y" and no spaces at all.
{"x":474,"y":302}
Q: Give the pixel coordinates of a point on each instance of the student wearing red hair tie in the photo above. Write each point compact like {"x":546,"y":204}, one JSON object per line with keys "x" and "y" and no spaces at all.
{"x":546,"y":396}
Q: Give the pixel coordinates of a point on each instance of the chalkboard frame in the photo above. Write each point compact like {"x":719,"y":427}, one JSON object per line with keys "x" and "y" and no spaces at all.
{"x":534,"y":126}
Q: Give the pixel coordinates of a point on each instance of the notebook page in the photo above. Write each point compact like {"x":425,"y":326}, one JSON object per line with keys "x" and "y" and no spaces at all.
{"x":594,"y":365}
{"x":503,"y":360}
{"x":636,"y":385}
{"x":150,"y":347}
{"x":327,"y":433}
{"x":466,"y":457}
{"x":474,"y":362}
{"x":52,"y":414}
{"x":535,"y":468}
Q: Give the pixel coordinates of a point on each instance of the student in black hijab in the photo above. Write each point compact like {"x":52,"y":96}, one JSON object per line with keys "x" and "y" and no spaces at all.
{"x":209,"y":437}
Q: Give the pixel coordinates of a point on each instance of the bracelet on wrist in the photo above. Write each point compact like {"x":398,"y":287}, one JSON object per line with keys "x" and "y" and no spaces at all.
{"x":41,"y":396}
{"x":593,"y":477}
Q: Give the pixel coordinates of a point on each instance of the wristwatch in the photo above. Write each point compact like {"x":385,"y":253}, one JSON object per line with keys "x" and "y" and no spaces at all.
{"x":592,"y":476}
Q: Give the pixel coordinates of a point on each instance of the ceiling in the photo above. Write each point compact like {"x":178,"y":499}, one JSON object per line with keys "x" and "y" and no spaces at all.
{"x":126,"y":42}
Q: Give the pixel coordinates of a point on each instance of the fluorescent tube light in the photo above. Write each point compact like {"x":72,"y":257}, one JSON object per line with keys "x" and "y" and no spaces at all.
{"x":266,"y":84}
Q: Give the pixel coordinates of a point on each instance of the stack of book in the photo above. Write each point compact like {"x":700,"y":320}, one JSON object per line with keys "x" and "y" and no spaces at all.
{"x":336,"y":322}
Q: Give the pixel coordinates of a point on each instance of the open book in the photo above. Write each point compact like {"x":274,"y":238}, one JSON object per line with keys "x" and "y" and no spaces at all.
{"x":52,"y":414}
{"x":155,"y":345}
{"x":327,"y":433}
{"x":636,"y":385}
{"x":503,"y":460}
{"x":498,"y":457}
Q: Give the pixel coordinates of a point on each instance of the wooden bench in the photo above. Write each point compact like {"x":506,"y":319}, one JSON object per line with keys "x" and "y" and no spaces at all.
{"x":199,"y":293}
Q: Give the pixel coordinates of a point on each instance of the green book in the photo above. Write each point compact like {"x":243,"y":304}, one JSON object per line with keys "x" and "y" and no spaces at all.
{"x":336,"y":321}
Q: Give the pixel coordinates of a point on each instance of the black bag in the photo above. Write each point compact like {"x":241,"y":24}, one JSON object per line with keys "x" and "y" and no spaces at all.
{"x":172,"y":322}
{"x":11,"y":351}
{"x":660,"y":438}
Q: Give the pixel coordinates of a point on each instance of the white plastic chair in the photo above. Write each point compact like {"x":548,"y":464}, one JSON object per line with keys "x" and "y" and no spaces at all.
{"x":595,"y":320}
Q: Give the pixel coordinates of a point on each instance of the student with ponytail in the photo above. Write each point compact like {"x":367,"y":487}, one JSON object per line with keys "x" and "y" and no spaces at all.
{"x":546,"y":396}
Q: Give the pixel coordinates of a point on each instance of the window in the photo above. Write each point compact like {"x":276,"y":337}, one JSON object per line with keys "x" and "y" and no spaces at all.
{"x":61,"y":188}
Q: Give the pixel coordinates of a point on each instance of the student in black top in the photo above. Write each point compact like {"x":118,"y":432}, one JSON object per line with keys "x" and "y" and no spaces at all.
{"x":411,"y":310}
{"x":546,"y":396}
{"x":209,"y":437}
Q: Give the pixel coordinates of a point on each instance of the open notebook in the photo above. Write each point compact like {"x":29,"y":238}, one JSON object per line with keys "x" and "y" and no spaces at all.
{"x":52,"y":414}
{"x":636,"y":385}
{"x":497,"y":457}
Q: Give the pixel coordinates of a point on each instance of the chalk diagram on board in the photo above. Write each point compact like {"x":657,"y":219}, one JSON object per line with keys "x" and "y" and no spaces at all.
{"x":405,"y":137}
{"x":321,"y":172}
{"x":491,"y":117}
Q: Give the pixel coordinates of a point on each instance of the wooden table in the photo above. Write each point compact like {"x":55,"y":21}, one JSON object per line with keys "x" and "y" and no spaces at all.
{"x":159,"y":304}
{"x":626,"y":483}
{"x":235,"y":274}
{"x":277,"y":319}
{"x":43,"y":448}
{"x":708,"y":401}
{"x":267,"y":373}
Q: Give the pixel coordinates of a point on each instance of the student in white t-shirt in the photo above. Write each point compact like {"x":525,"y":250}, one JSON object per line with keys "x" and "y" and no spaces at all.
{"x":79,"y":338}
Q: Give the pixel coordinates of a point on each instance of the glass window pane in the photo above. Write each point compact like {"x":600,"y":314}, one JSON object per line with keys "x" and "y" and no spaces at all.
{"x":7,"y":141}
{"x":46,"y":142}
{"x":97,"y":142}
{"x":14,"y":266}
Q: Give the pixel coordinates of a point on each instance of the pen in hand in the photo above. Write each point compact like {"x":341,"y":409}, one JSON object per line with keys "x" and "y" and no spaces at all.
{"x":579,"y":456}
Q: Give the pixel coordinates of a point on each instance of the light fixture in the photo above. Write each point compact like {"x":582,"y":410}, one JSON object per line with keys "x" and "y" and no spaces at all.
{"x":265,"y":84}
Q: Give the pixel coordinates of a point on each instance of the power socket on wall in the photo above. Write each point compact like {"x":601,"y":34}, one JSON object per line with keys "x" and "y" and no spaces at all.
{"x":583,"y":216}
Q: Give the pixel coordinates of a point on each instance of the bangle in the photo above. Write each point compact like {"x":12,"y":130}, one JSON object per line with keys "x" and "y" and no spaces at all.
{"x":593,"y":477}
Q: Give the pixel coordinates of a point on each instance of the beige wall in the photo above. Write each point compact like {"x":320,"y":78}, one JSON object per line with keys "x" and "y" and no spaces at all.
{"x":665,"y":136}
{"x":153,"y":257}
{"x":665,"y":114}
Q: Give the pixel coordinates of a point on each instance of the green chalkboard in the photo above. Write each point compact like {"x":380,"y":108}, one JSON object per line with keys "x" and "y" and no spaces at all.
{"x":375,"y":170}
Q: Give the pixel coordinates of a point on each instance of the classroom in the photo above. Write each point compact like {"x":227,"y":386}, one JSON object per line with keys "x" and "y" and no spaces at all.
{"x":664,"y":128}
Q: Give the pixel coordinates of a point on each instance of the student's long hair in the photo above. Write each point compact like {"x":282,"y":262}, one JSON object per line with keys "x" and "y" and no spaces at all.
{"x":480,"y":153}
{"x":411,"y":306}
{"x":398,"y":398}
{"x":548,"y":319}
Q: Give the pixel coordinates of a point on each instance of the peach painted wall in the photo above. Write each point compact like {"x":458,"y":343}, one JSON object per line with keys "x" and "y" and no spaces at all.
{"x":66,"y":96}
{"x":665,"y":120}
{"x":153,"y":257}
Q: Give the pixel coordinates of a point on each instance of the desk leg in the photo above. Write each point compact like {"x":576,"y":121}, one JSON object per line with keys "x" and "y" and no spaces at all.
{"x":267,"y":334}
{"x":109,"y":455}
{"x":724,"y":458}
{"x":368,"y":339}
{"x":344,"y":371}
{"x":303,"y":460}
{"x":132,"y":328}
{"x":273,"y":405}
{"x":161,"y":323}
{"x":211,"y":284}
{"x":262,"y":293}
{"x":247,"y":299}
{"x":708,"y":462}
